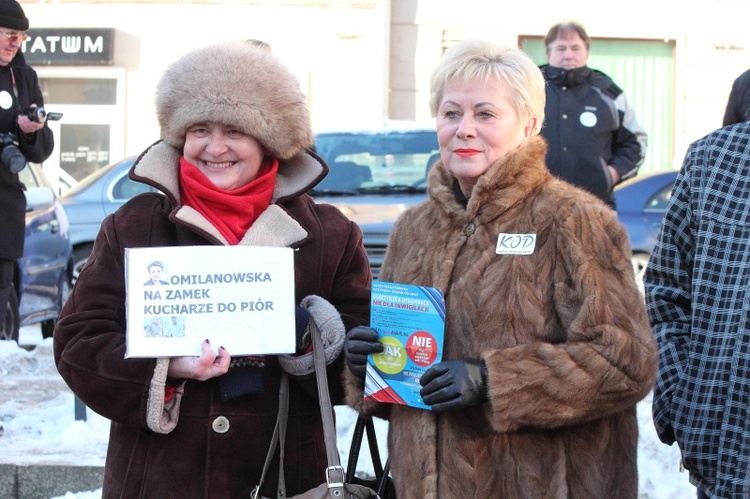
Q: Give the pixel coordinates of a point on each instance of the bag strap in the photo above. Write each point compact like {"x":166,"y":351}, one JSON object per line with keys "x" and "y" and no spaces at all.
{"x":364,"y":424}
{"x":284,"y":412}
{"x":279,"y":433}
{"x":372,"y":441}
{"x":359,"y":432}
{"x":384,"y":479}
{"x":334,"y":471}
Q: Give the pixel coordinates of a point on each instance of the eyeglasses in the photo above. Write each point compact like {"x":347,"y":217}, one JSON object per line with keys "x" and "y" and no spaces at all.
{"x":12,"y":37}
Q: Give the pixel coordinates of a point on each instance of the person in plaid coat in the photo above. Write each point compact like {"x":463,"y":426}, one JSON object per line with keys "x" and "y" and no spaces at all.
{"x":697,"y":285}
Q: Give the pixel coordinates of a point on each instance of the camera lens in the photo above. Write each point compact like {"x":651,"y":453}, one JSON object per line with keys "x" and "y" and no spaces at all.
{"x":37,"y":114}
{"x":11,"y":156}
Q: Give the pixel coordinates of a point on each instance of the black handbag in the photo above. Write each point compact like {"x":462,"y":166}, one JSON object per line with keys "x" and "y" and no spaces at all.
{"x":382,"y":483}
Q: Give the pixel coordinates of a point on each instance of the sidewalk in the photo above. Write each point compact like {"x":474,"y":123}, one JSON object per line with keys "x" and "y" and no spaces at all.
{"x":45,"y":481}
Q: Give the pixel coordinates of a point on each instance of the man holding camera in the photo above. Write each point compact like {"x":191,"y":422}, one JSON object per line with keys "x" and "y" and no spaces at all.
{"x":23,"y":132}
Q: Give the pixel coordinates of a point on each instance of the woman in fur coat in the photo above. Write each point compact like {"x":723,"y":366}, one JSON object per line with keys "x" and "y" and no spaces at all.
{"x":546,"y":350}
{"x":233,"y":167}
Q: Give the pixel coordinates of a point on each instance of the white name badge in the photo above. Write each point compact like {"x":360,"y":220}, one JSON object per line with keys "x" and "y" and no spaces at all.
{"x":6,"y":101}
{"x":587,"y":119}
{"x":515,"y":244}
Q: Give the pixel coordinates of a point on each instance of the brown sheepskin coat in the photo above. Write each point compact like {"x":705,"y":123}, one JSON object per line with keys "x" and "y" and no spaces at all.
{"x":193,"y":444}
{"x":563,"y":331}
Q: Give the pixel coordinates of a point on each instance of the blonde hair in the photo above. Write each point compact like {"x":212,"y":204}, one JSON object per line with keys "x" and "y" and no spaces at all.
{"x":475,"y":58}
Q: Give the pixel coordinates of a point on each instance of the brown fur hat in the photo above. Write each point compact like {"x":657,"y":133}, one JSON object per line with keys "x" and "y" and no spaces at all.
{"x":236,"y":84}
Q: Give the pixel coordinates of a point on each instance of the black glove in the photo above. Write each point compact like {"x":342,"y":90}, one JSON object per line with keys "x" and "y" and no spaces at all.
{"x":454,"y":384}
{"x":360,"y":342}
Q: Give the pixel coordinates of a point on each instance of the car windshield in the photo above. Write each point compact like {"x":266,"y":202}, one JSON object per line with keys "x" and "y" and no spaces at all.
{"x":92,"y":178}
{"x":32,"y":176}
{"x":376,"y":162}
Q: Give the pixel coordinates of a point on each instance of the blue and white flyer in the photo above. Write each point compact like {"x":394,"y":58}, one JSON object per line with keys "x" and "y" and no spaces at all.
{"x":238,"y":297}
{"x":410,"y":321}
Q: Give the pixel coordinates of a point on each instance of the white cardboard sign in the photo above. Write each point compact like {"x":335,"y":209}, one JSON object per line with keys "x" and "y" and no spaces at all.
{"x":238,"y":297}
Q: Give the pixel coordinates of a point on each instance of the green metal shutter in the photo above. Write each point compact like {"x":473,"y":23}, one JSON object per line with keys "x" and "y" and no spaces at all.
{"x":645,"y":70}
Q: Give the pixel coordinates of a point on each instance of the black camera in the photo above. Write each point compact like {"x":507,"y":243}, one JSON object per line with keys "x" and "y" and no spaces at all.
{"x":10,"y":155}
{"x":40,"y":115}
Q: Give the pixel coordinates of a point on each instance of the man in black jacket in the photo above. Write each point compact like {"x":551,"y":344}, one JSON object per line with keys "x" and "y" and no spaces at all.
{"x":19,"y":91}
{"x":594,"y":140}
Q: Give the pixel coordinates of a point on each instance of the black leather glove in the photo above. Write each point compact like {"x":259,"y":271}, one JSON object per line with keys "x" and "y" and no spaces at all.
{"x":360,"y":342}
{"x":452,"y":385}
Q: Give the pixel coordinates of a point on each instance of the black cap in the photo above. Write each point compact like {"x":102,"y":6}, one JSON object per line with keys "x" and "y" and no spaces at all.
{"x":12,"y":16}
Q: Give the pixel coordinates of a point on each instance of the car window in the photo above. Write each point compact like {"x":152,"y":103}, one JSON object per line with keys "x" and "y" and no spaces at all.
{"x":33,"y":176}
{"x":375,"y":160}
{"x":88,"y":180}
{"x":94,"y":176}
{"x":125,"y":188}
{"x":659,"y":201}
{"x":26,"y":176}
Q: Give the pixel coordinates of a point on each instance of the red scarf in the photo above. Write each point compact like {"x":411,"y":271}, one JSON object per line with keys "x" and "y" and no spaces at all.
{"x":231,"y":212}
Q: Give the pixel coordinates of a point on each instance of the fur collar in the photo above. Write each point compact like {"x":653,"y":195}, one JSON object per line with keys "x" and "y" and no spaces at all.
{"x":159,"y":166}
{"x":507,"y":182}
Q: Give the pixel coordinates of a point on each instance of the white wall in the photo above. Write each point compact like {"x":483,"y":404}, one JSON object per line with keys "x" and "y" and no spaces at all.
{"x":338,"y":52}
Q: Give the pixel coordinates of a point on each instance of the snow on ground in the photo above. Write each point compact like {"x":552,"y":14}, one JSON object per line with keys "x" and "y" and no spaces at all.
{"x":38,"y":425}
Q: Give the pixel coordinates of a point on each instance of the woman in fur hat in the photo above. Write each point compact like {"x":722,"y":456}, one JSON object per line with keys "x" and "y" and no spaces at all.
{"x":547,"y":345}
{"x":233,"y":165}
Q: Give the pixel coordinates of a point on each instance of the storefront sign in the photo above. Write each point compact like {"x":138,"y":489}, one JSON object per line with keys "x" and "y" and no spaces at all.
{"x":69,"y":46}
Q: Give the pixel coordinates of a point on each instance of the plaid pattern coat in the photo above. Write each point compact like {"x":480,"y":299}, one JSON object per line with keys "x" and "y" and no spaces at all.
{"x":697,"y":296}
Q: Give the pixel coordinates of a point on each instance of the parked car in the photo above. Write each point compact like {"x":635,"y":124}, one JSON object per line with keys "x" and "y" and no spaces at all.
{"x":641,"y":204}
{"x":375,"y":175}
{"x":93,"y":198}
{"x":42,"y":277}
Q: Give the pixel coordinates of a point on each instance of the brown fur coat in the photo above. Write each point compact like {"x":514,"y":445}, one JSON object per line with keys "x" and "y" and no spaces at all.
{"x":563,"y":331}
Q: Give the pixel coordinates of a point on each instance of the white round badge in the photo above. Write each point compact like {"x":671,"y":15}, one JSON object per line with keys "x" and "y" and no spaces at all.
{"x":6,"y":101}
{"x":587,"y":119}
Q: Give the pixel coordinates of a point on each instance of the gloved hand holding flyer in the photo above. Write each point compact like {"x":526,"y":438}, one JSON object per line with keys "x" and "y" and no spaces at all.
{"x":410,"y":321}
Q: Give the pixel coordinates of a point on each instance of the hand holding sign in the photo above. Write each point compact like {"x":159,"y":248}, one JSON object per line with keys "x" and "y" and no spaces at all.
{"x":207,"y":366}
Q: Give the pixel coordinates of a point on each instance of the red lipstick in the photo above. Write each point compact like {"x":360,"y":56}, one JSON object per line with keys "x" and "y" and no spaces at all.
{"x":465,"y":153}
